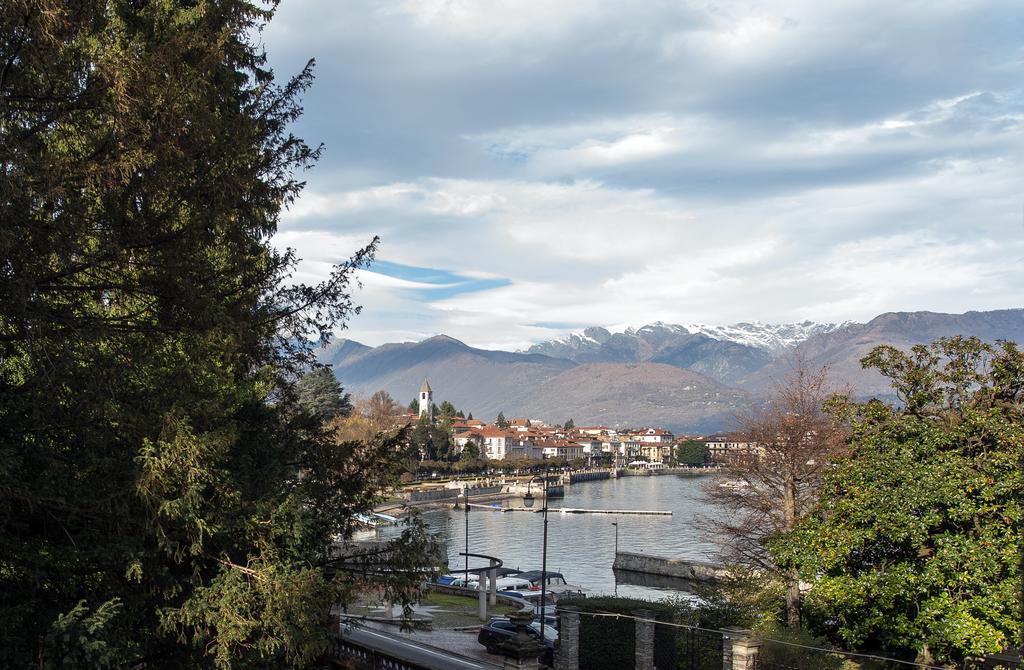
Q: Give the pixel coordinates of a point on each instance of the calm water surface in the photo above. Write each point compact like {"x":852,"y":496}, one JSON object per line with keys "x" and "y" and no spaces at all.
{"x":582,"y":546}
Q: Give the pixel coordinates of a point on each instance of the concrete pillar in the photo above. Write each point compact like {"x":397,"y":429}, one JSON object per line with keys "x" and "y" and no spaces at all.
{"x":520,"y":664}
{"x":644,"y":650}
{"x":521,"y":651}
{"x":482,"y":591}
{"x":739,"y":649}
{"x":567,"y":650}
{"x":492,"y":596}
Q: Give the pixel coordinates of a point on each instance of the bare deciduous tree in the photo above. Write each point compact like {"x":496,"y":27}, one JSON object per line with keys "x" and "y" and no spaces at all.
{"x":382,"y":411}
{"x":768,"y":488}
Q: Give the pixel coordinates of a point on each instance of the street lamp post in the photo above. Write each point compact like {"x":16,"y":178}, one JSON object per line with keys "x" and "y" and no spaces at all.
{"x":616,"y":524}
{"x":544,"y":564}
{"x":465,"y":500}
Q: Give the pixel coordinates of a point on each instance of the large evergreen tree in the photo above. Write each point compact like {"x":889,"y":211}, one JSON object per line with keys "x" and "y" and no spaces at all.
{"x":164,"y":500}
{"x":321,"y":394}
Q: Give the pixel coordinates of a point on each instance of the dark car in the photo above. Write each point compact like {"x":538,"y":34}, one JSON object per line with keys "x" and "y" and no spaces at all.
{"x":499,"y":629}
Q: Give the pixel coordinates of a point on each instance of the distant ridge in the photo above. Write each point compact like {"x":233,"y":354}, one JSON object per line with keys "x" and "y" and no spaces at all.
{"x":842,"y":349}
{"x":661,"y":374}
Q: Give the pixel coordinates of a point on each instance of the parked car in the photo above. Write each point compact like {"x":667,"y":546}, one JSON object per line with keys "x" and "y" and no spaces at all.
{"x":451,"y":580}
{"x":499,"y":629}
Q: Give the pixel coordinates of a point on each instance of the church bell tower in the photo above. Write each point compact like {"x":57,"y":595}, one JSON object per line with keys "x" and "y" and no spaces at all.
{"x":426,"y":401}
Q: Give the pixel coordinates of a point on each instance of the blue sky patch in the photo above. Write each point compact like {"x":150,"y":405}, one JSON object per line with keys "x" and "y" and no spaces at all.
{"x":446,"y":283}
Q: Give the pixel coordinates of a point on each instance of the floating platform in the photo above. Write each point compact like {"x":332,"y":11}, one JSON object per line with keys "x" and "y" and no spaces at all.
{"x":574,"y":510}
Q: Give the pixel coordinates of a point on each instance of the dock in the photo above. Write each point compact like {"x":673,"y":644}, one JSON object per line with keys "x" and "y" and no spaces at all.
{"x":573,"y":510}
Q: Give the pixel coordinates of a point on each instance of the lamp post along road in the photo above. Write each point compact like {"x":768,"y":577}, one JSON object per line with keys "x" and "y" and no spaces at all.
{"x":544,"y":563}
{"x":616,"y":524}
{"x":465,"y":500}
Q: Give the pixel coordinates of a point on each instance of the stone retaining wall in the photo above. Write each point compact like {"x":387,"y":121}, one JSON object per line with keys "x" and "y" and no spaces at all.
{"x":589,"y":476}
{"x":434,"y":495}
{"x":698,"y":571}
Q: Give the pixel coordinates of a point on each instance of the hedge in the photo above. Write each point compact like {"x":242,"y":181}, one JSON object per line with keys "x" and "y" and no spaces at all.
{"x":607,"y":643}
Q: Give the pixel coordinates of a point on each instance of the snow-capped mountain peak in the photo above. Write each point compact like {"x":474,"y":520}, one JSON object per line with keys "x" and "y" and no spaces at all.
{"x":773,"y":338}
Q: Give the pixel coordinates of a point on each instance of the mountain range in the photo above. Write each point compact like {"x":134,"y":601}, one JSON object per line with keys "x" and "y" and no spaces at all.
{"x":692,"y":378}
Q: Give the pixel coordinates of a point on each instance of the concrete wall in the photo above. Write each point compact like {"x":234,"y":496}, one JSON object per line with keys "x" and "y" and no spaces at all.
{"x":484,"y":490}
{"x":589,"y":476}
{"x":436,"y":494}
{"x":698,"y":571}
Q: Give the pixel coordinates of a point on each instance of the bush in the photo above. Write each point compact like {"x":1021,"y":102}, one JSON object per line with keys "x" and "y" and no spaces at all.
{"x":608,"y":643}
{"x":784,"y":655}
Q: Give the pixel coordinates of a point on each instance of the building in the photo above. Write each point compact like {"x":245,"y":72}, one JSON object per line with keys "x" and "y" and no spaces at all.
{"x":729,"y":448}
{"x":654,"y":436}
{"x":426,"y":401}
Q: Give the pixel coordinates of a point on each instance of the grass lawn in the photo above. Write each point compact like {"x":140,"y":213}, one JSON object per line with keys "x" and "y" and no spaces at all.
{"x":453,"y":611}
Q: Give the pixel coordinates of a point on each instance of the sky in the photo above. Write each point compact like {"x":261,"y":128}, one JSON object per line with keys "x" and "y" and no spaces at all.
{"x":535,"y":167}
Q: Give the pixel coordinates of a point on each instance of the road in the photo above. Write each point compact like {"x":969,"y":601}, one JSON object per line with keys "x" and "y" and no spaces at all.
{"x":420,"y":654}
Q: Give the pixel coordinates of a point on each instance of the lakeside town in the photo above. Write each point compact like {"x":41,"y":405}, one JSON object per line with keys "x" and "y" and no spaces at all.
{"x":516,"y":439}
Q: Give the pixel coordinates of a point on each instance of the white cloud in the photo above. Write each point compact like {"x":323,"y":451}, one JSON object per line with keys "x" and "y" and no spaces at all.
{"x":622,"y":163}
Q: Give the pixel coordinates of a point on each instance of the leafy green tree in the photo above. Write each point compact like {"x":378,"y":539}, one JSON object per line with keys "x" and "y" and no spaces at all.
{"x":469,"y":416}
{"x":569,"y":425}
{"x":446,"y":410}
{"x":432,"y":443}
{"x":914,"y":547}
{"x":460,"y":414}
{"x":501,"y":421}
{"x":414,"y":406}
{"x":470,"y":452}
{"x":320,"y":394}
{"x":165,"y":499}
{"x":693,"y":452}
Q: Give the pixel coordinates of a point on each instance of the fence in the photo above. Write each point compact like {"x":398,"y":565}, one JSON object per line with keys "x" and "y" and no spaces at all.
{"x":638,"y":641}
{"x":698,"y":649}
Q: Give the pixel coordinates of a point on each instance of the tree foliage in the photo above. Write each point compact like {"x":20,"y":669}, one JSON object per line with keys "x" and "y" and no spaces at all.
{"x":470,"y":451}
{"x":501,"y":421}
{"x":915,"y":545}
{"x":320,"y":394}
{"x":693,"y":452}
{"x":382,"y":411}
{"x":430,"y":442}
{"x":165,"y":500}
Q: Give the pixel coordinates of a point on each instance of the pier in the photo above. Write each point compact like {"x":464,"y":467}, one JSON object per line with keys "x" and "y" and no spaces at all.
{"x":573,"y":510}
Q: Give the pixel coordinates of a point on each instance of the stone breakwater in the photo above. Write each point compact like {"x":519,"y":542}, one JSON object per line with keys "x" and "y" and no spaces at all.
{"x":694,"y":571}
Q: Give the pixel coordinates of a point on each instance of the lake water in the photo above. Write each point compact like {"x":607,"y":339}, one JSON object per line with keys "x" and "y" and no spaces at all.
{"x":582,"y":546}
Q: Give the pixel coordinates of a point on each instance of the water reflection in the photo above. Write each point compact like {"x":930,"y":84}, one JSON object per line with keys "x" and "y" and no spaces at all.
{"x":582,"y":546}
